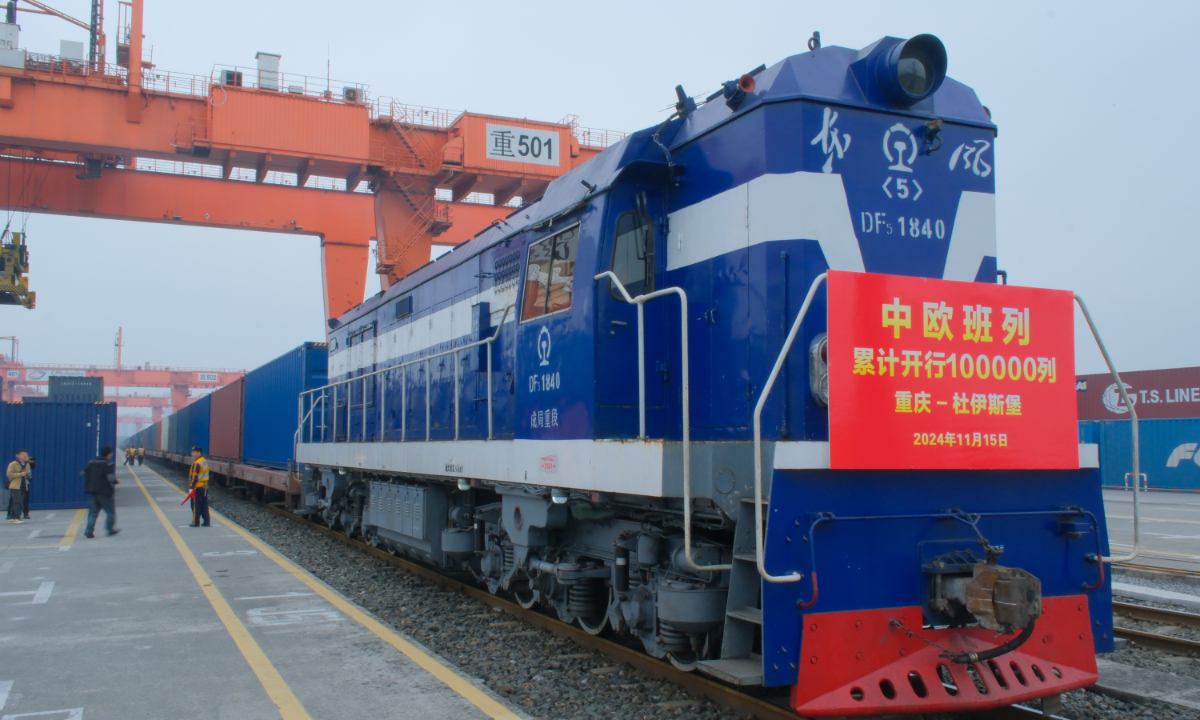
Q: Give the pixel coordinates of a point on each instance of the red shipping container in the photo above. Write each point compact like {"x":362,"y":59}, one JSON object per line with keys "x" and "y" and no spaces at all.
{"x":1157,"y":394}
{"x":225,"y":428}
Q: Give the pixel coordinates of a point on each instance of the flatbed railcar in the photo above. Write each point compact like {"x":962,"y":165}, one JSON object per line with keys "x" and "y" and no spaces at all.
{"x":572,"y":406}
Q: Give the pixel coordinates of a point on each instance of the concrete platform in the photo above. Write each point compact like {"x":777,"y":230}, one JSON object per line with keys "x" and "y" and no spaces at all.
{"x":168,"y":621}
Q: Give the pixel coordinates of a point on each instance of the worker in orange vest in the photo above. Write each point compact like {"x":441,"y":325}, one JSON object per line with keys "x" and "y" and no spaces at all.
{"x":198,"y":482}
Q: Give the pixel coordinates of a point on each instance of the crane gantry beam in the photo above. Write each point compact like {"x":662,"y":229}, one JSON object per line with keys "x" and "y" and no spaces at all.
{"x":259,"y":150}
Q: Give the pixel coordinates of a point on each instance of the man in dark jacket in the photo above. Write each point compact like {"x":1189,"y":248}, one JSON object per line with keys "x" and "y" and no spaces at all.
{"x":100,"y":476}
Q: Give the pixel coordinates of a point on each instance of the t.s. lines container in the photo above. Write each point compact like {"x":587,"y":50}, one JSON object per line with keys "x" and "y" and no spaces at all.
{"x":62,"y":437}
{"x":272,"y":394}
{"x":1157,"y":394}
{"x":225,"y":423}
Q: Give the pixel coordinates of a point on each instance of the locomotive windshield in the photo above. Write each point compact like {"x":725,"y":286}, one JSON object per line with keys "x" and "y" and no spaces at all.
{"x":633,"y":255}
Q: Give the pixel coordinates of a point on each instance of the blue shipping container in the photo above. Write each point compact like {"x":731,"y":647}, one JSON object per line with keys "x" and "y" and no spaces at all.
{"x":173,"y":434}
{"x":272,"y":396}
{"x":1168,"y":451}
{"x":63,"y":437}
{"x":199,"y":420}
{"x":184,"y":419}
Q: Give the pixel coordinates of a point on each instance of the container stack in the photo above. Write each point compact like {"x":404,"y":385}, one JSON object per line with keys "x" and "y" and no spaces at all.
{"x":1168,"y":409}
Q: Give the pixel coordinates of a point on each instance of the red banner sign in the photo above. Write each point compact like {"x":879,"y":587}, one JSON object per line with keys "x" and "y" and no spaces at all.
{"x":933,"y":374}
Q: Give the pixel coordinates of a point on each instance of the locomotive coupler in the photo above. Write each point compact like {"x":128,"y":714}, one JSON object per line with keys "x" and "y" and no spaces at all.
{"x":998,"y":598}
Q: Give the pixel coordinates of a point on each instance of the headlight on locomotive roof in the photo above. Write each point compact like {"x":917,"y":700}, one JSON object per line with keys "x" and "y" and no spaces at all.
{"x":912,"y":70}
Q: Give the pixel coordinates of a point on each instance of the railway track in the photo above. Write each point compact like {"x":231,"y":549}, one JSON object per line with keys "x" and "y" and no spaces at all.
{"x":742,"y":704}
{"x":1159,"y":570}
{"x":1166,"y":643}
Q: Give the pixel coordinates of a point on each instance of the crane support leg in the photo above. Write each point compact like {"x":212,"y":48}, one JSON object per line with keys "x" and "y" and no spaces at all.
{"x":179,"y":398}
{"x":344,"y":272}
{"x":133,"y":107}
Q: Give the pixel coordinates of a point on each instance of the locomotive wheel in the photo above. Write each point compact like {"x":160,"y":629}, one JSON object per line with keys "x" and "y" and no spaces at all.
{"x":593,"y":629}
{"x":594,"y":626}
{"x":686,"y":662}
{"x":526,"y":599}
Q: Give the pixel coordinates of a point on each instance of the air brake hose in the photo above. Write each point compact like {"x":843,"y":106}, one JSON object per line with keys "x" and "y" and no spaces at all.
{"x":1018,"y":641}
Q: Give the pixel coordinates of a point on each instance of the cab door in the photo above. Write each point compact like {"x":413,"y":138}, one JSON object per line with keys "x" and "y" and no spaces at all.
{"x":631,"y":251}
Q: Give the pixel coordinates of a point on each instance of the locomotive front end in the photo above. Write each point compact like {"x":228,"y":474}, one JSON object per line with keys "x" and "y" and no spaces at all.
{"x":744,"y":388}
{"x":934,"y":531}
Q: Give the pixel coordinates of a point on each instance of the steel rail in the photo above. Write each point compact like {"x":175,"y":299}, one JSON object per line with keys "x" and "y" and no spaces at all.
{"x":1166,"y":643}
{"x":1172,"y":645}
{"x":1165,"y":571}
{"x":1157,"y":615}
{"x":1175,"y":646}
{"x":744,"y":705}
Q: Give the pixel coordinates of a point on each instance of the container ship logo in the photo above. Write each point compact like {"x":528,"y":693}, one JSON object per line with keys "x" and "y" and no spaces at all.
{"x":1112,"y":399}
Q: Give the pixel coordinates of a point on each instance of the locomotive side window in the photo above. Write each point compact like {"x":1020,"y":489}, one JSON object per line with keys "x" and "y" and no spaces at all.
{"x":550,"y":275}
{"x":633,"y":255}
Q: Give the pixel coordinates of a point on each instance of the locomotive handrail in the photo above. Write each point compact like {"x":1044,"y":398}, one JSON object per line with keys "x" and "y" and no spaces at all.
{"x":308,"y":416}
{"x":404,"y":387}
{"x":1133,"y":430}
{"x":762,"y":400}
{"x":687,"y":438}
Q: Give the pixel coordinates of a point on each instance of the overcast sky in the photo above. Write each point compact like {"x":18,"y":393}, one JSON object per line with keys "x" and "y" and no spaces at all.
{"x":1094,"y":161}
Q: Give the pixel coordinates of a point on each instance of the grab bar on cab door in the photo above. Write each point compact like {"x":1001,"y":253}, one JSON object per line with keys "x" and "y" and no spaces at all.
{"x":641,"y":300}
{"x":758,"y":470}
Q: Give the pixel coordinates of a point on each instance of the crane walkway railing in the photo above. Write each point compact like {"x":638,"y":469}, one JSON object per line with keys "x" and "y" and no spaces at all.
{"x":310,"y":398}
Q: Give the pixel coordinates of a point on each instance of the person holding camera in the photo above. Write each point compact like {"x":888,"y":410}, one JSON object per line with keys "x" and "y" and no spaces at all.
{"x":19,"y":472}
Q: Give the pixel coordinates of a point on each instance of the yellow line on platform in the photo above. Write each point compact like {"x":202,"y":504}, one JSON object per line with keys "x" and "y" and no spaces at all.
{"x":277,"y":689}
{"x":453,"y":680}
{"x":73,"y":529}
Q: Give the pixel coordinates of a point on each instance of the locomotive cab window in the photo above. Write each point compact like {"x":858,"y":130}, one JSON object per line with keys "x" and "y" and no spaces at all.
{"x":550,"y":275}
{"x":633,"y":255}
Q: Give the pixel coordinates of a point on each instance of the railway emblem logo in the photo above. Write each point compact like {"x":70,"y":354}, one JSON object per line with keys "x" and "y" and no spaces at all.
{"x":543,"y":347}
{"x":1112,"y":399}
{"x":905,"y":142}
{"x":831,"y":143}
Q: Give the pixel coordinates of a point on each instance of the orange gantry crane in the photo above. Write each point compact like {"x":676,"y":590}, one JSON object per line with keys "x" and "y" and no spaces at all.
{"x":258,"y":149}
{"x":18,"y":379}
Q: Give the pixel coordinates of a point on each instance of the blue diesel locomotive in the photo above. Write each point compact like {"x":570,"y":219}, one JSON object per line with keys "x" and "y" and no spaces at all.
{"x":565,"y":406}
